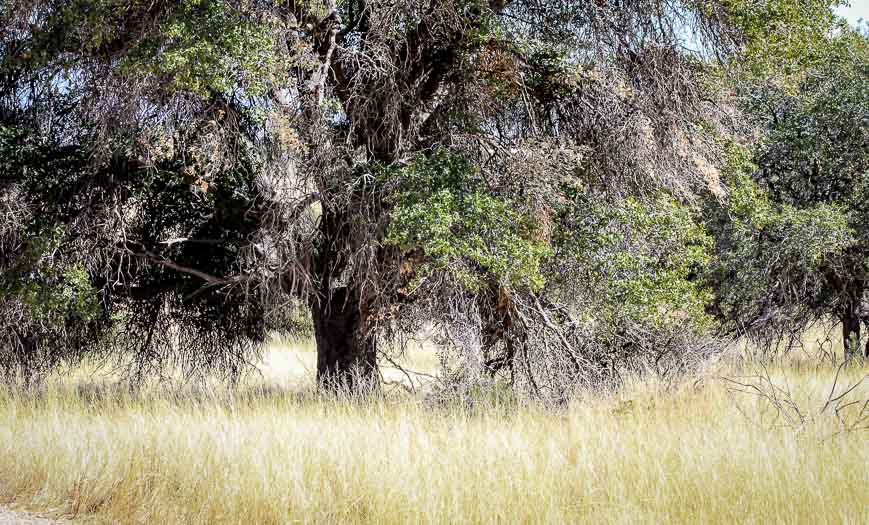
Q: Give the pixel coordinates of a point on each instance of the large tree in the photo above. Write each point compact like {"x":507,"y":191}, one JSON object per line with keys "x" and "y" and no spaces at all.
{"x":794,"y":248}
{"x":208,"y":167}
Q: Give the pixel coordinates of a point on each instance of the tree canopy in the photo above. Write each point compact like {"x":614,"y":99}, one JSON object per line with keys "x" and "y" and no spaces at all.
{"x":522,"y":178}
{"x":795,"y":249}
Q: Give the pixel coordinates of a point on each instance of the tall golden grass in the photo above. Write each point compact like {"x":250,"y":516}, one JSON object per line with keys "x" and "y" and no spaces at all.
{"x":275,"y":452}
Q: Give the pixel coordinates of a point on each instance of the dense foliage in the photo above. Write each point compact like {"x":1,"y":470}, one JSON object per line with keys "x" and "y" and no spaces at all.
{"x":794,"y":248}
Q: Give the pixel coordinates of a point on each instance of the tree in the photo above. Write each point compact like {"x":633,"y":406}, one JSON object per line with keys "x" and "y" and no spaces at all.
{"x":382,"y":164}
{"x":794,"y":248}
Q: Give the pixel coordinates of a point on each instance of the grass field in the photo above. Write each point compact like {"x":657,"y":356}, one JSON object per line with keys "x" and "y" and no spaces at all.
{"x":274,"y":452}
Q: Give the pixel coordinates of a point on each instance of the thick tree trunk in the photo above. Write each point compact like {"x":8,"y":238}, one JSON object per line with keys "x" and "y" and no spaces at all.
{"x":346,"y":348}
{"x":852,"y":318}
{"x":850,"y":331}
{"x":346,"y":353}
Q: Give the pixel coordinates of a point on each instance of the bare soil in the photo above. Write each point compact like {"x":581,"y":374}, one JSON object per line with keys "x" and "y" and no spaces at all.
{"x":17,"y":517}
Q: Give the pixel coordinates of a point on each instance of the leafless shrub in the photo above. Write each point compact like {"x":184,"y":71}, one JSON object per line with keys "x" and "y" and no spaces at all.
{"x":778,"y":406}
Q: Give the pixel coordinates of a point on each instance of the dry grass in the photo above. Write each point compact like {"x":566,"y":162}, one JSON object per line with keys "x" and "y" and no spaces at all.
{"x":272,"y":453}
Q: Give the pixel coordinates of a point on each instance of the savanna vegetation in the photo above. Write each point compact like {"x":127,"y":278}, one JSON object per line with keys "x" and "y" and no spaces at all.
{"x":271,"y":450}
{"x":539,"y":261}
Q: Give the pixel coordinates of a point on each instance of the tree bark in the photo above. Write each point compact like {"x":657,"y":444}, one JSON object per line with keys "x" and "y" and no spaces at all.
{"x":346,"y":348}
{"x":346,"y":353}
{"x":850,"y":330}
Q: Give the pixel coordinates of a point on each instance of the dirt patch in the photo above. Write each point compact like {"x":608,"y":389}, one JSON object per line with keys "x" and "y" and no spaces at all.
{"x":17,"y":517}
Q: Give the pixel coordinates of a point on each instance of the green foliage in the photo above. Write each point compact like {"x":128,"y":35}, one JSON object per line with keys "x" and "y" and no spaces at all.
{"x":777,"y":257}
{"x":657,"y":281}
{"x":781,"y":37}
{"x":640,"y":259}
{"x":54,"y":289}
{"x":817,"y":146}
{"x":768,"y":241}
{"x":54,"y":292}
{"x":811,"y":236}
{"x":443,"y":210}
{"x":208,"y":46}
{"x":196,"y":46}
{"x":791,"y":240}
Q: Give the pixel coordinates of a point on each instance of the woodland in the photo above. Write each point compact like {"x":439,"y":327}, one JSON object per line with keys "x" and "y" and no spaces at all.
{"x":556,"y":192}
{"x":434,"y":261}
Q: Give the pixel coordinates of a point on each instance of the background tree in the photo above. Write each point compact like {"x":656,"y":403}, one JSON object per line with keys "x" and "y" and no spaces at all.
{"x":794,"y":248}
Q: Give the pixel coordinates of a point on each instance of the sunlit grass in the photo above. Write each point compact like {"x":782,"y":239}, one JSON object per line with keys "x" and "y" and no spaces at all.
{"x":274,"y":452}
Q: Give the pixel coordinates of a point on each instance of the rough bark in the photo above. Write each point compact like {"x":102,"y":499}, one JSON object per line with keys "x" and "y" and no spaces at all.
{"x":346,"y":348}
{"x":852,"y":318}
{"x":346,"y":353}
{"x":850,"y":331}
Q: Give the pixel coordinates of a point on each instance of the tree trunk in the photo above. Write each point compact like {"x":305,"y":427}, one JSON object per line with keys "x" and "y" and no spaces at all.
{"x":346,"y":354}
{"x":850,"y":331}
